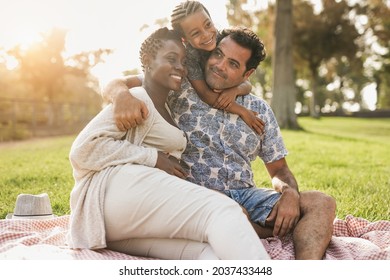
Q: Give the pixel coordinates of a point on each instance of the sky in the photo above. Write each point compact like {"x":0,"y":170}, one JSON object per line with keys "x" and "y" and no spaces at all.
{"x":93,"y":24}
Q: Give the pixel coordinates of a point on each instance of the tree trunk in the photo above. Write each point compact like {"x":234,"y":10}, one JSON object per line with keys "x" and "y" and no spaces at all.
{"x":284,"y":94}
{"x":314,"y":108}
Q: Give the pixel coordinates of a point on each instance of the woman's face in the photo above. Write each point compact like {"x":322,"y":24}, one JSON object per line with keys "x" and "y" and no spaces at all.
{"x":200,"y":31}
{"x":168,"y":67}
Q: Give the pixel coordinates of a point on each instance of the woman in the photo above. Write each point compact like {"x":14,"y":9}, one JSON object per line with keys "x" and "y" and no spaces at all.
{"x":129,"y":189}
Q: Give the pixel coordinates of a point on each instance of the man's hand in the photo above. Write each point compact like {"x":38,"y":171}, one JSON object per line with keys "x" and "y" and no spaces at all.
{"x":171,"y":165}
{"x":286,"y":213}
{"x":129,"y":111}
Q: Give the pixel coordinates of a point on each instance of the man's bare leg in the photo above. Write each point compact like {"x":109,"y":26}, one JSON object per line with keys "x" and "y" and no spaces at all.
{"x":262,"y":232}
{"x":314,"y":230}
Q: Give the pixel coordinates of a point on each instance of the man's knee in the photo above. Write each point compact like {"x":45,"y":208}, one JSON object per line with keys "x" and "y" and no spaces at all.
{"x":318,"y":201}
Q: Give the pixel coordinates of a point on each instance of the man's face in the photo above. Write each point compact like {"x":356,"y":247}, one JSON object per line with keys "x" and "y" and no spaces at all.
{"x":225,"y":67}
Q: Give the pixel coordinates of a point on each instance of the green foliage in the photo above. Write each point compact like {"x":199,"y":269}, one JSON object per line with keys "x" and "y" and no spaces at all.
{"x":347,"y":158}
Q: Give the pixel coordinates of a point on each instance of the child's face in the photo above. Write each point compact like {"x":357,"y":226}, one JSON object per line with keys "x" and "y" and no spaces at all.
{"x":199,"y":31}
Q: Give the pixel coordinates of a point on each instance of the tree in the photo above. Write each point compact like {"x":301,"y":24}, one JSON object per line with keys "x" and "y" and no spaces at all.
{"x":329,"y":36}
{"x":262,"y":23}
{"x":44,"y":69}
{"x":378,"y":13}
{"x":42,"y":66}
{"x":276,"y":73}
{"x":55,"y":82}
{"x":284,"y":94}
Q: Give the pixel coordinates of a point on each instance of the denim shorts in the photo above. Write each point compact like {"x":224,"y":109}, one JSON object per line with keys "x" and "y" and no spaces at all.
{"x":258,"y":202}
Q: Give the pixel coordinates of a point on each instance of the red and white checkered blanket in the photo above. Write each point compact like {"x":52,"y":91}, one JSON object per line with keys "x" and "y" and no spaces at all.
{"x":353,"y":239}
{"x":45,"y":239}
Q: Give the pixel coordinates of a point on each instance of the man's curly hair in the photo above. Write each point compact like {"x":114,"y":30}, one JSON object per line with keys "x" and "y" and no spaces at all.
{"x":246,"y":38}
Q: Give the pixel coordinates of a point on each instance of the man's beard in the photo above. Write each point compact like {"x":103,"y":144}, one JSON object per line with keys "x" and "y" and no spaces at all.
{"x":215,"y":83}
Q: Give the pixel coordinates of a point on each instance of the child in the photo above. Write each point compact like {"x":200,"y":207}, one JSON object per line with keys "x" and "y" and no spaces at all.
{"x":192,"y":20}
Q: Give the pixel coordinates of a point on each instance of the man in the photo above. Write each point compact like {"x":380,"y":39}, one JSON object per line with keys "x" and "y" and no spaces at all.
{"x":221,"y":147}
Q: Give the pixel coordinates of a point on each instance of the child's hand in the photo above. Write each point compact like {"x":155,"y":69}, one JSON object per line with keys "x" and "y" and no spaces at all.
{"x":225,"y":99}
{"x":129,"y":111}
{"x":254,"y":122}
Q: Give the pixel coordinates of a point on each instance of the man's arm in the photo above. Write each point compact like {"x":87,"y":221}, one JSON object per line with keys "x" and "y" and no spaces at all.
{"x":286,"y":212}
{"x":282,"y":177}
{"x":128,"y":110}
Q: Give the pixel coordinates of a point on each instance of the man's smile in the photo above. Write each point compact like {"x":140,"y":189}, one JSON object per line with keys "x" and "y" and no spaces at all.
{"x":218,"y":73}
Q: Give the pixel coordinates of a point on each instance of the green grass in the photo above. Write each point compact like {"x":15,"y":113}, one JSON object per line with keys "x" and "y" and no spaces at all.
{"x":347,"y":158}
{"x":36,"y":166}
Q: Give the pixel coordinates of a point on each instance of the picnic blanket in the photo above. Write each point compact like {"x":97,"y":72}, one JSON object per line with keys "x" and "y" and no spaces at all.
{"x":353,"y":239}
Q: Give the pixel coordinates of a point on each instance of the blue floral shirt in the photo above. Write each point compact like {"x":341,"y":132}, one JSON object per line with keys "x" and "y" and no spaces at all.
{"x":220,"y":145}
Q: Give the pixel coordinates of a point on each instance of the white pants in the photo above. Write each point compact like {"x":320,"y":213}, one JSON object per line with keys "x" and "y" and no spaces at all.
{"x":165,"y":249}
{"x":143,"y":203}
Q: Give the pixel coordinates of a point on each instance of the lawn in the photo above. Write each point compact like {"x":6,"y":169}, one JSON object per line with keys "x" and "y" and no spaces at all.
{"x":348,"y":158}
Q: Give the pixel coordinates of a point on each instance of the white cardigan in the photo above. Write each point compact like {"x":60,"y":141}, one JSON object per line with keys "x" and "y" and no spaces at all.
{"x":95,"y":154}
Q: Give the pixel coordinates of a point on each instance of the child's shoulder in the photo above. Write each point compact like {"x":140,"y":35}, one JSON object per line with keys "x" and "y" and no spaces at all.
{"x":191,"y":51}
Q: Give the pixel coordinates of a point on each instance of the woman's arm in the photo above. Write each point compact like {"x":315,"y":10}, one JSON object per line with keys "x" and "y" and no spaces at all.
{"x":118,"y":86}
{"x":101,"y":144}
{"x":128,"y":110}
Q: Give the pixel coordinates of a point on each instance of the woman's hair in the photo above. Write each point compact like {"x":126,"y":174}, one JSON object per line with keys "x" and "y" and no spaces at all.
{"x":155,"y":41}
{"x":183,"y":10}
{"x":248,"y":39}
